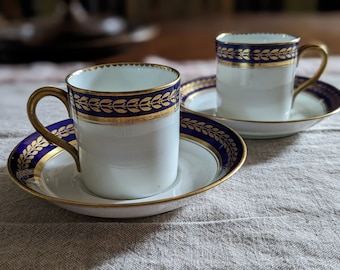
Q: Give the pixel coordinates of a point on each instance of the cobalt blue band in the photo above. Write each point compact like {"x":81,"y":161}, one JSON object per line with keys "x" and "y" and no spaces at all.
{"x":266,"y":54}
{"x":94,"y":105}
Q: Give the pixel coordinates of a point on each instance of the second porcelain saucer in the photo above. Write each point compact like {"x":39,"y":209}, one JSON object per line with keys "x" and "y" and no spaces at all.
{"x":210,"y":153}
{"x":310,"y":106}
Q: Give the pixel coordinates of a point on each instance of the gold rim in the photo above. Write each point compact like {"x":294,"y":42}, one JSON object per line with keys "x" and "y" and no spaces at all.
{"x":59,"y":150}
{"x":212,"y":88}
{"x":293,"y":39}
{"x":119,"y":93}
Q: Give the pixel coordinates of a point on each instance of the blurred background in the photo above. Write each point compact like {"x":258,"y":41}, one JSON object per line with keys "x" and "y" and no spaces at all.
{"x":86,"y":30}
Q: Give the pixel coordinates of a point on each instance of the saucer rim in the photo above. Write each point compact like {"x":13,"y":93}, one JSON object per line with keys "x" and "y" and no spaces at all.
{"x":210,"y":88}
{"x":59,"y":200}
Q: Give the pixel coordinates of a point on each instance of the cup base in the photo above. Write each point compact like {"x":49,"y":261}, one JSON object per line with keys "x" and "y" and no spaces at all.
{"x":126,"y":194}
{"x":129,"y":183}
{"x":263,"y":117}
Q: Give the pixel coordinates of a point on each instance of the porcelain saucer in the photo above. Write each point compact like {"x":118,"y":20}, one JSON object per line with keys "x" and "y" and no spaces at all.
{"x":310,"y":106}
{"x":210,"y":153}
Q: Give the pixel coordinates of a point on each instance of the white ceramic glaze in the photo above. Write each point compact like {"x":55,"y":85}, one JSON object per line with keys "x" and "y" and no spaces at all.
{"x":121,"y":78}
{"x":209,"y":154}
{"x":255,"y":74}
{"x":61,"y":184}
{"x":129,"y":161}
{"x":256,"y":38}
{"x":126,"y":118}
{"x":311,"y":106}
{"x":264,"y":94}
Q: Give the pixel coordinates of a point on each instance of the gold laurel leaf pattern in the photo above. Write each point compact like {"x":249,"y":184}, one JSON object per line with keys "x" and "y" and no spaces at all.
{"x":190,"y":87}
{"x":218,"y":135}
{"x":257,"y":54}
{"x":145,"y":104}
{"x":118,"y":105}
{"x":105,"y":105}
{"x":122,"y":106}
{"x":38,"y":144}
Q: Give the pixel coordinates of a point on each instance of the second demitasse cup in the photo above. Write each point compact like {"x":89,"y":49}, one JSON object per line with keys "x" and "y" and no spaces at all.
{"x":255,"y":74}
{"x":126,"y":118}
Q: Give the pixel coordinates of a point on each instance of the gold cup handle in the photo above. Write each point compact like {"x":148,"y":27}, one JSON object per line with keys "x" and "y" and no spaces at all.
{"x":31,"y":111}
{"x":322,"y":49}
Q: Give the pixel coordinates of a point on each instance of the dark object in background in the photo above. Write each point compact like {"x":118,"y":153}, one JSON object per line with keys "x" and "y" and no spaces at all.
{"x":70,"y":34}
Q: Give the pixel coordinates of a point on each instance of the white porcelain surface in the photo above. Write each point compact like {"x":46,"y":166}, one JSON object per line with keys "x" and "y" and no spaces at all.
{"x":255,"y":38}
{"x":309,"y":108}
{"x":210,"y":153}
{"x":124,"y":159}
{"x":255,"y":74}
{"x":264,"y":94}
{"x":121,"y":78}
{"x":129,"y":161}
{"x":126,"y":117}
{"x":197,"y":169}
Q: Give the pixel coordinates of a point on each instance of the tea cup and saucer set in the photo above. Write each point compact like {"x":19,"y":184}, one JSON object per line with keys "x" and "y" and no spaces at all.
{"x":139,"y":143}
{"x":255,"y":90}
{"x":127,"y":150}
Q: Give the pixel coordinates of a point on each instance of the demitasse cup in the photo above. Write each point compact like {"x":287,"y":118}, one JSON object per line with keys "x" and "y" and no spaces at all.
{"x":255,"y":74}
{"x":126,"y":118}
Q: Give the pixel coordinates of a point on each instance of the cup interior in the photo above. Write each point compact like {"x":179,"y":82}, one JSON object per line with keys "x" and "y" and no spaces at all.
{"x":255,"y":38}
{"x":123,"y":77}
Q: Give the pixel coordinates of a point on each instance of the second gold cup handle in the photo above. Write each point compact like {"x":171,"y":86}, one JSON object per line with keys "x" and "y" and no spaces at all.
{"x":323,"y":51}
{"x":31,"y":112}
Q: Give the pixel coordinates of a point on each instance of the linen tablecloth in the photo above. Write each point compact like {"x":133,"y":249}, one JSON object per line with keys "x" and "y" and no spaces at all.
{"x":281,"y":210}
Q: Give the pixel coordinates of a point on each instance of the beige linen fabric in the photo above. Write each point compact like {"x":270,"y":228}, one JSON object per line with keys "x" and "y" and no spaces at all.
{"x":280,"y":211}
